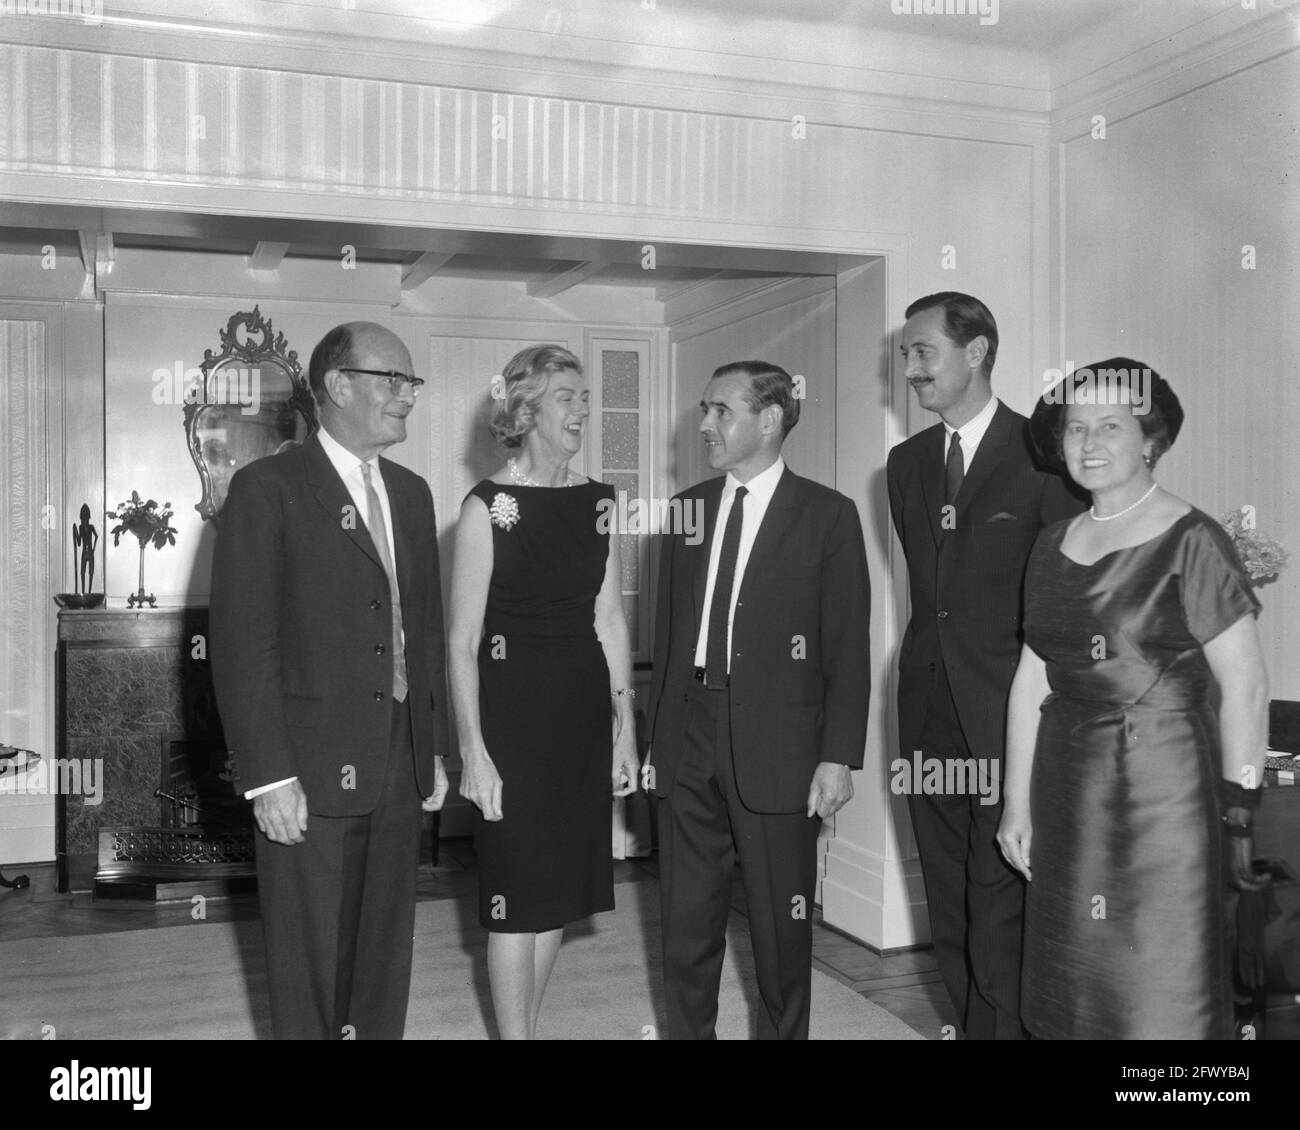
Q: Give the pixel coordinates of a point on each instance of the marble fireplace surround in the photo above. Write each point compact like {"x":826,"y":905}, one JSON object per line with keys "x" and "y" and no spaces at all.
{"x":127,"y":681}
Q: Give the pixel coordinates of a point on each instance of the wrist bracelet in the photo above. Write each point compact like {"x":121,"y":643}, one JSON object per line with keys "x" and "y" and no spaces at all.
{"x":1233,"y":795}
{"x":625,"y":691}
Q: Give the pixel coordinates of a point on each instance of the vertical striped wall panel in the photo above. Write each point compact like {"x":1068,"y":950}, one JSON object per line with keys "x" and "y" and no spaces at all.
{"x":183,"y":122}
{"x":26,"y":629}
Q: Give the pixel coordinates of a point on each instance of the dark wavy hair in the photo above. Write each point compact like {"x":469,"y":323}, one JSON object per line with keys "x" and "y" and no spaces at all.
{"x":964,"y":319}
{"x":768,"y":384}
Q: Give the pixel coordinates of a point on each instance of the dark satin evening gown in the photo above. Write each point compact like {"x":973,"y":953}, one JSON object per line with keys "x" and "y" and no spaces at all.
{"x":1124,"y":919}
{"x":545,"y":712}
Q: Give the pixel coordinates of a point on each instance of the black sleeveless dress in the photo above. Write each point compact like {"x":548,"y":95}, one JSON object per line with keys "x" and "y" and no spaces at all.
{"x":545,"y":709}
{"x":1124,"y":919}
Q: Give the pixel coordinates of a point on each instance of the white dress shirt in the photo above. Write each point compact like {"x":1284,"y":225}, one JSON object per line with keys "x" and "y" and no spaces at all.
{"x":971,"y":434}
{"x":349,"y":468}
{"x":761,"y":488}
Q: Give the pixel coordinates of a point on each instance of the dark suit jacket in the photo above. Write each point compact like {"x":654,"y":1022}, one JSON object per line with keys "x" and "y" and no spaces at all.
{"x":800,"y":673}
{"x":301,"y":632}
{"x":966,"y":582}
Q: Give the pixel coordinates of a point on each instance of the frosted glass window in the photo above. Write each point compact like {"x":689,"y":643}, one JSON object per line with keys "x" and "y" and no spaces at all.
{"x":620,"y":445}
{"x":630,"y":604}
{"x":620,"y":378}
{"x":629,"y":549}
{"x":622,"y":483}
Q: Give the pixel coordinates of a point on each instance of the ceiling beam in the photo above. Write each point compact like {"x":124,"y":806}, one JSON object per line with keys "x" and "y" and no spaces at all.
{"x":665,"y":291}
{"x":333,"y":235}
{"x":105,"y":254}
{"x":86,"y":240}
{"x":97,"y":256}
{"x":267,"y":256}
{"x":424,"y":268}
{"x":556,"y":283}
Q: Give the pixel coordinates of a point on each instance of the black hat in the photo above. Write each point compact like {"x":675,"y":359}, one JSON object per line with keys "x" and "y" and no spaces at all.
{"x":1112,"y":375}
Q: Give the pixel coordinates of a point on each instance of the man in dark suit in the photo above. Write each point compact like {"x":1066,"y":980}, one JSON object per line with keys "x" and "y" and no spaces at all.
{"x":967,"y":501}
{"x":327,"y":655}
{"x":758,"y":708}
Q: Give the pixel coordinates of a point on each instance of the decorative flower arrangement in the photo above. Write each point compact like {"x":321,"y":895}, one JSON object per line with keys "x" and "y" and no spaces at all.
{"x":504,"y":511}
{"x":1263,"y":557}
{"x":147,"y":524}
{"x":145,"y":521}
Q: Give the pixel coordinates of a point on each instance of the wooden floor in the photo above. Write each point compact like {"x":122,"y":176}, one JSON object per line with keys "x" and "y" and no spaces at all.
{"x":905,"y":984}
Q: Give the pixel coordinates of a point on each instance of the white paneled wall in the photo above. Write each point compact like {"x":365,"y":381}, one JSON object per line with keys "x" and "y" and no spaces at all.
{"x":798,"y":335}
{"x":1156,"y":222}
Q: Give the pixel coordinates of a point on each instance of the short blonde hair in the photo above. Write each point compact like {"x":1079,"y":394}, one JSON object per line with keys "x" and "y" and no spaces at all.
{"x":526,"y":377}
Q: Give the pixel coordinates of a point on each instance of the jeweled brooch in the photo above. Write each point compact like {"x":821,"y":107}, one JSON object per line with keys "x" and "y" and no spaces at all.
{"x":504,"y":511}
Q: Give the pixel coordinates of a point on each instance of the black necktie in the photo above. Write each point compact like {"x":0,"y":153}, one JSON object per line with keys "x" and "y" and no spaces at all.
{"x":715,"y":650}
{"x":954,"y":469}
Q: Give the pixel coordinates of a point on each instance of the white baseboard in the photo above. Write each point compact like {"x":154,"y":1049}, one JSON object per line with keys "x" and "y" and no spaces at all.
{"x":873,"y":899}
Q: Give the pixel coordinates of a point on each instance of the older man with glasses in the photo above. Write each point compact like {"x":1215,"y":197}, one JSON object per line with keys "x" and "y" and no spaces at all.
{"x":328,"y":660}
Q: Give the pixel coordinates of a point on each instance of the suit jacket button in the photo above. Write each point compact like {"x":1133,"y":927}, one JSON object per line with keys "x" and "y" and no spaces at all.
{"x":379,"y":649}
{"x":379,"y":696}
{"x":943,"y":614}
{"x":376,"y":605}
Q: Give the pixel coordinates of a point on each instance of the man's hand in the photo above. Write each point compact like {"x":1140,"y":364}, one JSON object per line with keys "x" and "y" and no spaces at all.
{"x":831,"y":789}
{"x":282,"y":813}
{"x":440,"y":786}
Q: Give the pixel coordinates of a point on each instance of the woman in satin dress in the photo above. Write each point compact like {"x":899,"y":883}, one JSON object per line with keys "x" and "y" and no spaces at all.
{"x":1122,"y":780}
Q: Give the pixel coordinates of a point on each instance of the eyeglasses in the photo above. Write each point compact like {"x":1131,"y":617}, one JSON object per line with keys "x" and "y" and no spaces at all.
{"x":397,"y":382}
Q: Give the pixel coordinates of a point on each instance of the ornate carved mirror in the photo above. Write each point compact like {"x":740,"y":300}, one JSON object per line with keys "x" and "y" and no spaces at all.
{"x":253,"y":401}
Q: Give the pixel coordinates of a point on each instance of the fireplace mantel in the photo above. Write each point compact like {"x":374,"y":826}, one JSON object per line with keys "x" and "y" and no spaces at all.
{"x":128,"y":681}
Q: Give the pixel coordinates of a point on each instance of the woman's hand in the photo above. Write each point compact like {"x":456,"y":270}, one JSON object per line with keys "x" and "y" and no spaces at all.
{"x":480,"y":784}
{"x":627,"y":766}
{"x":1241,"y":875}
{"x":1240,"y":853}
{"x":1014,"y":834}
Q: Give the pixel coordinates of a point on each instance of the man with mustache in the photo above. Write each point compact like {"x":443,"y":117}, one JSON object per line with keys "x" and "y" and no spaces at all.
{"x":328,"y":662}
{"x":967,"y":502}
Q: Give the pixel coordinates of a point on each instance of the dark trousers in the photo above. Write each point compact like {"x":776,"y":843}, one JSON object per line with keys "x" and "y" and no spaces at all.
{"x":338,"y":912}
{"x":976,"y":900}
{"x":703,"y":830}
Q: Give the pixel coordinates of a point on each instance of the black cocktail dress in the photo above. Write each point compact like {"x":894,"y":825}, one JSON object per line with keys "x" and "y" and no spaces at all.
{"x":545,"y":710}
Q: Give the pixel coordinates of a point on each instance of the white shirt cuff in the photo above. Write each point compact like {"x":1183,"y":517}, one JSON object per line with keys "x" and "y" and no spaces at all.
{"x":267,"y":788}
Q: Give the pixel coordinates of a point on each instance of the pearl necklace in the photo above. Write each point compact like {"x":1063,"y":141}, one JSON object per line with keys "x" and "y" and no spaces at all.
{"x":1120,"y":513}
{"x":521,"y":480}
